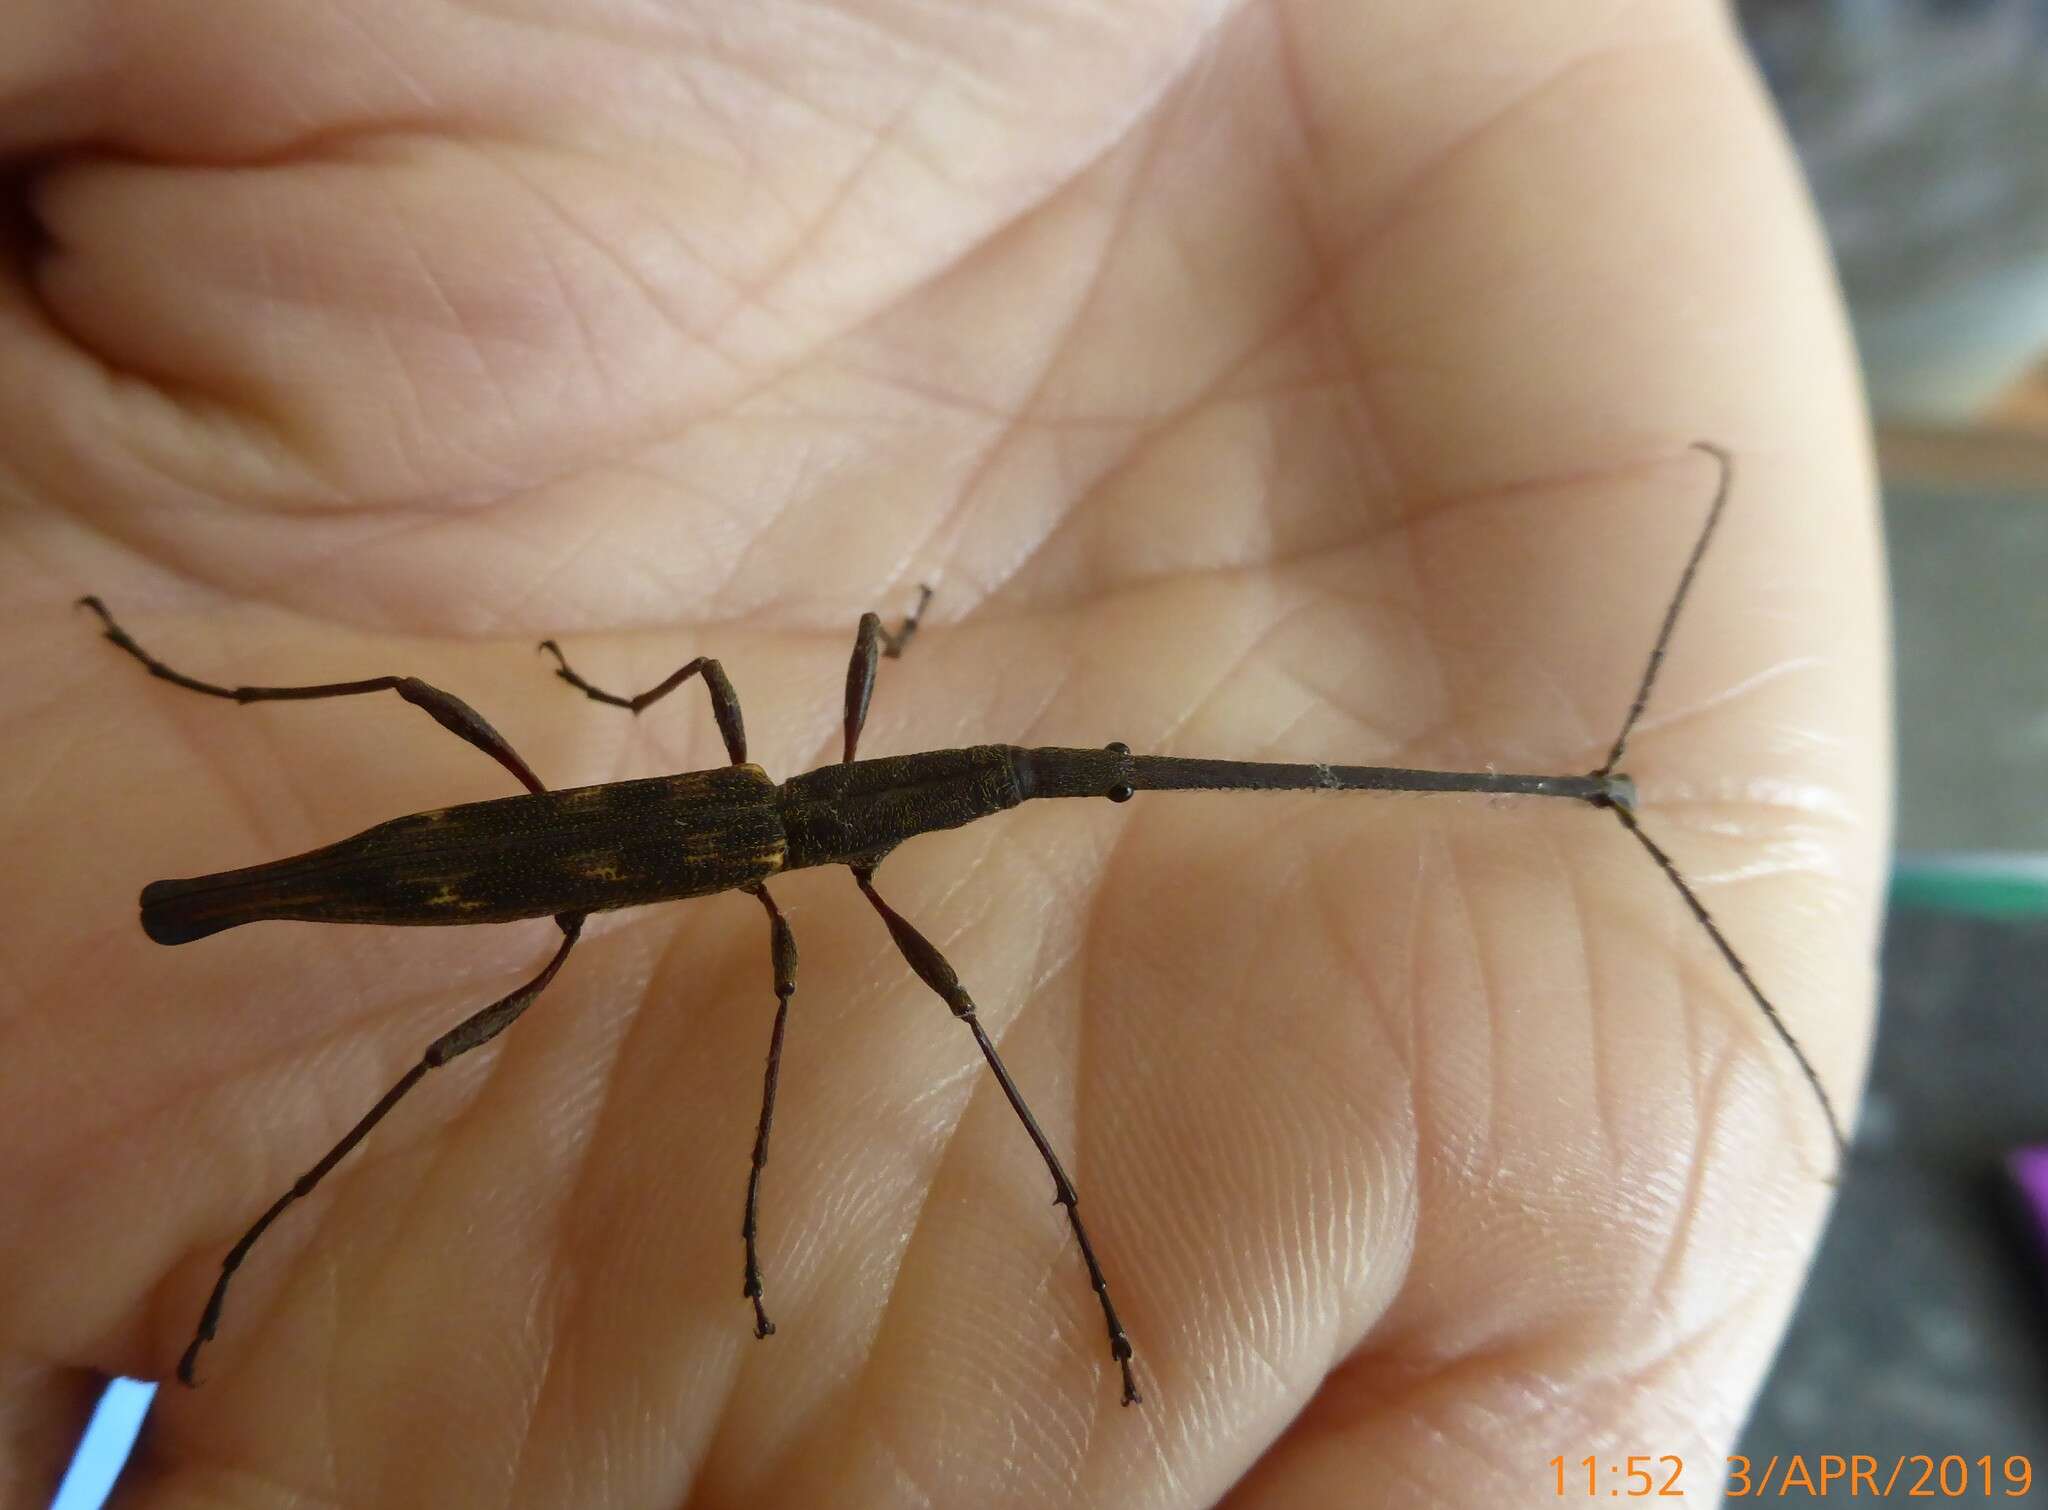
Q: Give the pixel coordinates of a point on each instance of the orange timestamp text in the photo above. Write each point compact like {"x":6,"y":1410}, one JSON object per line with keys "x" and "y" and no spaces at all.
{"x":1799,"y":1475}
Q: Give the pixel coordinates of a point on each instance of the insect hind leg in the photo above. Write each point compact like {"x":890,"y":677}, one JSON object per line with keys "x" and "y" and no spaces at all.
{"x":445,"y":708}
{"x":937,"y":972}
{"x":782,"y":951}
{"x":472,"y":1032}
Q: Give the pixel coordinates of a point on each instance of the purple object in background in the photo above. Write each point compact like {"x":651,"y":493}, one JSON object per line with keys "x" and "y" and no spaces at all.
{"x":2029,"y":1170}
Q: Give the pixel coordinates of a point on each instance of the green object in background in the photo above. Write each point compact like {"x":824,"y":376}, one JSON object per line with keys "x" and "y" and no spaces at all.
{"x":1978,"y":885}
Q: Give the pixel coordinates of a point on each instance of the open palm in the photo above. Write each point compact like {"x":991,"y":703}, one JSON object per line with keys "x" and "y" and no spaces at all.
{"x":1289,"y":380}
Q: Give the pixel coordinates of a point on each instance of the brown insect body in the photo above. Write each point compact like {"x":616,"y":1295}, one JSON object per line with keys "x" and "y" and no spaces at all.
{"x":661,"y":839}
{"x":595,"y":848}
{"x":564,"y":854}
{"x":535,"y":855}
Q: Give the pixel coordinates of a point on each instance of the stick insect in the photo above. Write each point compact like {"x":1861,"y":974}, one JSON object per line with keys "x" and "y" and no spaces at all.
{"x":565,"y":854}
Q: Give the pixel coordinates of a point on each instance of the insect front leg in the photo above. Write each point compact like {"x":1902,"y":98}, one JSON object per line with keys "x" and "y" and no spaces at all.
{"x":445,"y":708}
{"x":782,"y":950}
{"x":472,"y":1032}
{"x":870,"y":643}
{"x":725,"y":703}
{"x":934,"y":970}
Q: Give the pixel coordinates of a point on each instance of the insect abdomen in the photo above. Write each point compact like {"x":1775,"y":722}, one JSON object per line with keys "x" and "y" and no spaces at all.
{"x":587,"y":849}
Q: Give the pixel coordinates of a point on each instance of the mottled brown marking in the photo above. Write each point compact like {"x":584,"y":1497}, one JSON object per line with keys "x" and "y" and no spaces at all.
{"x":588,"y":849}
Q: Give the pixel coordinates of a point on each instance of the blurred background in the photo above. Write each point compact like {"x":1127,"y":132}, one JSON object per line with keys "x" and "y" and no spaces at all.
{"x":1923,"y":125}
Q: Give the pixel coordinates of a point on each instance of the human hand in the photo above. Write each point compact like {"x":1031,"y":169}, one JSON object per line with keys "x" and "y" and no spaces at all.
{"x":1286,"y":381}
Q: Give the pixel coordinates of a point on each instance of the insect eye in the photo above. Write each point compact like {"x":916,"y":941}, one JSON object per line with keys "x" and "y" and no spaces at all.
{"x":1124,"y":792}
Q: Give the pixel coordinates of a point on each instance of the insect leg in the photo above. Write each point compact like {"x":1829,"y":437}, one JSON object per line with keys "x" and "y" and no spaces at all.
{"x":782,"y":949}
{"x":725,"y":703}
{"x":466,"y":1035}
{"x":870,"y":643}
{"x":445,"y":708}
{"x":934,"y":970}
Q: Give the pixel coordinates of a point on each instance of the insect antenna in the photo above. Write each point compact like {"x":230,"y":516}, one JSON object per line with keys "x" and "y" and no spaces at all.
{"x":1622,"y":810}
{"x":1692,"y":567}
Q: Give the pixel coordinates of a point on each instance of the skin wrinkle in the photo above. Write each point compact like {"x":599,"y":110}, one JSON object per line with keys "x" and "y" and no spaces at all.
{"x":567,"y":1296}
{"x":331,"y":1394}
{"x":1370,"y":436}
{"x":593,"y":349}
{"x":1675,"y":1357}
{"x":40,"y":786}
{"x":1055,"y":186}
{"x":318,"y":1046}
{"x":886,"y":139}
{"x":1313,"y":1216}
{"x":768,"y":379}
{"x":738,"y":62}
{"x":1068,"y":324}
{"x":1360,"y":968}
{"x":340,"y":11}
{"x":1032,"y":726}
{"x":1606,"y":1100}
{"x":582,"y":235}
{"x":751,"y":549}
{"x":1356,"y":1202}
{"x":1242,"y":1285}
{"x":1482,"y":1145}
{"x":713,"y":1442}
{"x":1141,"y":449}
{"x":1443,"y":507}
{"x":1074,"y":1146}
{"x":1205,"y":701}
{"x":264,"y":1316}
{"x":97,"y":508}
{"x":589,"y":1129}
{"x":405,"y":440}
{"x":1091,"y":156}
{"x":1653,"y":723}
{"x":462,"y":326}
{"x":564,"y":560}
{"x":422,"y":1194}
{"x":945,"y":1151}
{"x":601,"y":524}
{"x":1416,"y":1059}
{"x":937,"y":396}
{"x":1709,"y":1092}
{"x":1432,"y":169}
{"x":1316,"y":701}
{"x":1338,"y":260}
{"x":1338,"y":925}
{"x":188,"y":397}
{"x":1671,"y":1354}
{"x":708,"y":45}
{"x":183,"y":395}
{"x":27,"y":1035}
{"x":1437,"y":509}
{"x":328,"y":557}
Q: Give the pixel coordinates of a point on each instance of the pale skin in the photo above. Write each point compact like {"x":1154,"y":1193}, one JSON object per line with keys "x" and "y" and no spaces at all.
{"x":1287,"y":381}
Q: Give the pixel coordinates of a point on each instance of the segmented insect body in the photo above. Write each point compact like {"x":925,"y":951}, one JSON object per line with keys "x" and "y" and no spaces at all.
{"x":564,"y":854}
